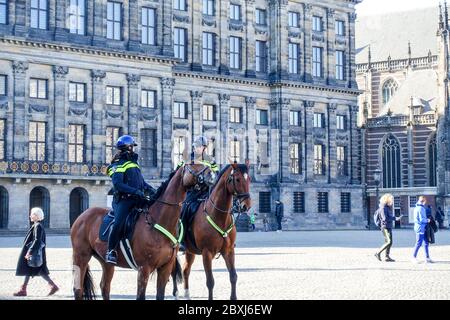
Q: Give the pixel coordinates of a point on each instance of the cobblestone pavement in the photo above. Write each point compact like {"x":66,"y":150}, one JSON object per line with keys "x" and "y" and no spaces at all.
{"x":271,"y":265}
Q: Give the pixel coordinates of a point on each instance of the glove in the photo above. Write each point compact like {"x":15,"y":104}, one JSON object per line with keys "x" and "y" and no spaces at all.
{"x":139,"y":193}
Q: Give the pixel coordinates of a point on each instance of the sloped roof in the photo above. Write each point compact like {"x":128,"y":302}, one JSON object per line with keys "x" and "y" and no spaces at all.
{"x":389,"y":34}
{"x":422,"y":86}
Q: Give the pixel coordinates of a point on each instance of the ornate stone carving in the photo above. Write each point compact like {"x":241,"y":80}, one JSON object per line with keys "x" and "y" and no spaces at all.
{"x":98,"y":75}
{"x":285,"y":101}
{"x":250,"y":1}
{"x":38,"y":108}
{"x":196,"y":95}
{"x":260,"y":29}
{"x":250,"y":100}
{"x":224,"y":97}
{"x":318,"y":37}
{"x":148,"y":116}
{"x":341,"y":40}
{"x":78,"y":110}
{"x":352,"y":17}
{"x":20,"y":67}
{"x":235,"y":26}
{"x":208,"y":21}
{"x":330,"y":12}
{"x":133,"y":80}
{"x":294,"y":34}
{"x":307,"y":8}
{"x":354,"y":108}
{"x":113,"y":114}
{"x":60,"y":72}
{"x":4,"y":105}
{"x":319,"y":133}
{"x":332,"y":107}
{"x":309,"y":104}
{"x":180,"y":18}
{"x":342,"y":138}
{"x":167,"y":83}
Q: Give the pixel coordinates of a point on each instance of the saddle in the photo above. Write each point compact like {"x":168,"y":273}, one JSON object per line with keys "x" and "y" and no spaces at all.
{"x":130,"y":223}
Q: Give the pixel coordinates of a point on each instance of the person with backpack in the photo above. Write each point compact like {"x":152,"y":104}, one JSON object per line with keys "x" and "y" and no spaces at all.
{"x":384,"y":218}
{"x":420,"y":223}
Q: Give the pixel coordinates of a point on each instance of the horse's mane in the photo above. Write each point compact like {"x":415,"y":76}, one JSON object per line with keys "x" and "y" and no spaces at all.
{"x":162,"y":188}
{"x":242,"y":167}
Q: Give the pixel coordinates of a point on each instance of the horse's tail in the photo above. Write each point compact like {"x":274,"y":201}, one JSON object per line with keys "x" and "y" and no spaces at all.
{"x":88,"y":286}
{"x":178,"y":274}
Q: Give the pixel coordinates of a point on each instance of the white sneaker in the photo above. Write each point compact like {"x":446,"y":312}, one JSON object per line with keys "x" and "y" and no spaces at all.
{"x":428,"y":260}
{"x":414,"y":260}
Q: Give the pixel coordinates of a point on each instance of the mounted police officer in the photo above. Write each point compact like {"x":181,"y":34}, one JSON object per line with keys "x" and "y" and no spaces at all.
{"x":194,"y":197}
{"x":129,"y":188}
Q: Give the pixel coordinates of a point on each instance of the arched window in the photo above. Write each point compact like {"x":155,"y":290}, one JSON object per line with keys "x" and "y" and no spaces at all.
{"x":432,"y":155}
{"x":391,"y":163}
{"x":79,"y":201}
{"x":40,"y":197}
{"x":389,"y":89}
{"x":4,"y":208}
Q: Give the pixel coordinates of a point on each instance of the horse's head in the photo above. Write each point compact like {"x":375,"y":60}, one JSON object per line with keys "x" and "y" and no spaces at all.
{"x":238,"y":184}
{"x":195,"y":175}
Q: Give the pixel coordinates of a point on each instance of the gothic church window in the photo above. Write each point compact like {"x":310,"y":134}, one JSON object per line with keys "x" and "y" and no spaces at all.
{"x":391,"y":159}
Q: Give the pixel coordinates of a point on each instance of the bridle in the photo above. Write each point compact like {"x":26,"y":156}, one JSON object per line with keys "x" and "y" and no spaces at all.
{"x":240,"y":196}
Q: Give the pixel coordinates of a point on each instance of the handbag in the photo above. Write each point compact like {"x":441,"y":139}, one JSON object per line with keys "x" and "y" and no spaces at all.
{"x":36,"y":259}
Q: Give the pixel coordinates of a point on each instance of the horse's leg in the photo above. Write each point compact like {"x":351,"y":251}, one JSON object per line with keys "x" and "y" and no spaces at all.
{"x":174,"y":280}
{"x":80,"y":267}
{"x":107,"y":275}
{"x":162,"y":279}
{"x":207,"y":264}
{"x":229,"y":261}
{"x":143,"y":274}
{"x":190,"y":257}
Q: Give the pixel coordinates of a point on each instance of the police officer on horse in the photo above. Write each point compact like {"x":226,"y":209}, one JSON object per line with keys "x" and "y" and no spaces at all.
{"x":194,"y":197}
{"x":129,"y":189}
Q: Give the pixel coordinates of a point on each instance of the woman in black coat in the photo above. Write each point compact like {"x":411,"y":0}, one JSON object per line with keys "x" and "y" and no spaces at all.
{"x":34,"y":241}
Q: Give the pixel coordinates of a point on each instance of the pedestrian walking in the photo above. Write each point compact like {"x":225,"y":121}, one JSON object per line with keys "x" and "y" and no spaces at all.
{"x":32,"y":260}
{"x":420,"y":223}
{"x":386,"y":220}
{"x":252,"y":219}
{"x":440,"y":217}
{"x":279,"y":213}
{"x":265,"y":224}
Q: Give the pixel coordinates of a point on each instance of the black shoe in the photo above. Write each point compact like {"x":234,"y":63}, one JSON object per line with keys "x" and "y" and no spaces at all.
{"x":377,"y":255}
{"x":111,"y":257}
{"x":389,"y":259}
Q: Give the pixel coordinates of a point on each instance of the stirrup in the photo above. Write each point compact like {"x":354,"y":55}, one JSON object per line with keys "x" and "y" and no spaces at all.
{"x":111,"y":257}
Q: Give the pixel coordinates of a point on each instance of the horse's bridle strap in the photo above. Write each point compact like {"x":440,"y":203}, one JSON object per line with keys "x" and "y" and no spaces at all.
{"x":219,"y":229}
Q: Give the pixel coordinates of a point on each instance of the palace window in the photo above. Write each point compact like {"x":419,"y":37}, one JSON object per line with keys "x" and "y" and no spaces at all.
{"x":38,"y":88}
{"x":148,"y":22}
{"x":235,"y":52}
{"x":112,"y":135}
{"x":209,"y":112}
{"x":37,"y":141}
{"x":208,"y":7}
{"x":261,"y":17}
{"x":208,"y":49}
{"x":148,"y":98}
{"x":341,"y":160}
{"x":39,"y":14}
{"x":295,"y":150}
{"x":77,"y":17}
{"x":264,"y":202}
{"x":346,"y":205}
{"x":178,"y":150}
{"x":391,"y":159}
{"x":235,"y":115}
{"x":180,"y":110}
{"x":77,"y":92}
{"x":340,"y":28}
{"x":114,"y":95}
{"x":339,"y":65}
{"x":293,"y":58}
{"x":322,"y":202}
{"x":261,"y":56}
{"x":299,"y":202}
{"x":2,"y":139}
{"x":294,"y":118}
{"x":148,"y":148}
{"x":179,"y":43}
{"x":76,"y":143}
{"x":293,"y":19}
{"x":3,"y":11}
{"x":114,"y":21}
{"x":319,"y":154}
{"x":179,"y":5}
{"x":317,"y":62}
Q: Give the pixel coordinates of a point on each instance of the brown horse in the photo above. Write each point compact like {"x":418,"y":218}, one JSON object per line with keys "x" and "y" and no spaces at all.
{"x":152,"y":250}
{"x":209,"y":240}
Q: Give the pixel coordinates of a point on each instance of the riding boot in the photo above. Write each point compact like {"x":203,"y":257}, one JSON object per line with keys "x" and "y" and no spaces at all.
{"x":111,"y":256}
{"x":22,"y":292}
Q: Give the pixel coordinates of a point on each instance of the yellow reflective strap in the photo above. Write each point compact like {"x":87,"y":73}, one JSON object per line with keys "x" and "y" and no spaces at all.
{"x":126,"y":166}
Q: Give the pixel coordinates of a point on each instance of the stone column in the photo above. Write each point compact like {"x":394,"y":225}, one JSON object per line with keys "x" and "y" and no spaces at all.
{"x":284,"y":141}
{"x":250,"y":42}
{"x":59,"y":146}
{"x":355,"y":137}
{"x":332,"y":162}
{"x":98,"y":130}
{"x":61,"y":30}
{"x":278,"y":39}
{"x":167,"y":45}
{"x":133,"y":103}
{"x":196,"y":102}
{"x":351,"y":65}
{"x":20,"y":16}
{"x":134,"y":40}
{"x":222,"y":146}
{"x":309,"y":141}
{"x":223,"y":36}
{"x":330,"y":62}
{"x":307,"y":54}
{"x":284,"y":40}
{"x":196,"y":37}
{"x":167,"y":85}
{"x":99,"y":28}
{"x":20,"y":137}
{"x":250,"y":127}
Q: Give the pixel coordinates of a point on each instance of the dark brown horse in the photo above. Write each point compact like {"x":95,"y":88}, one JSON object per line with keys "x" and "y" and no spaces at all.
{"x":213,"y":230}
{"x":151,"y":249}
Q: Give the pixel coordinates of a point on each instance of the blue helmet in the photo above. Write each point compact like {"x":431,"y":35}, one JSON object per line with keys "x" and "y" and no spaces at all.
{"x":125,"y":141}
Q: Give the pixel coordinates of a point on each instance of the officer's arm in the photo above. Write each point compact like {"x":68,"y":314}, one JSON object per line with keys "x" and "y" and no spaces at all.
{"x":148,"y":186}
{"x":119,"y":185}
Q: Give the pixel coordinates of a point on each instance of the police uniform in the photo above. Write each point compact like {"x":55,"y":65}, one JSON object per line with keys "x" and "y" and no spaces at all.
{"x":129,"y":188}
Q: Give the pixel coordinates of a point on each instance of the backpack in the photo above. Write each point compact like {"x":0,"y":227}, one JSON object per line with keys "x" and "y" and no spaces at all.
{"x":377,"y":217}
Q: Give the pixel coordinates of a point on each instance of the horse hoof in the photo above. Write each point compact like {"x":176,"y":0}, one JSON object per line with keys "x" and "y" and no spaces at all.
{"x":187,"y":295}
{"x":176,"y":295}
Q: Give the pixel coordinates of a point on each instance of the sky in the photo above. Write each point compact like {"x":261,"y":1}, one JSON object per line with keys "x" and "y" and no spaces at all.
{"x":369,"y":7}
